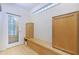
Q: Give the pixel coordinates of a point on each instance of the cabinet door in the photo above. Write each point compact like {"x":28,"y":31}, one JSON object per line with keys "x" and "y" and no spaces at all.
{"x":58,"y":35}
{"x":29,"y":30}
{"x":64,"y":33}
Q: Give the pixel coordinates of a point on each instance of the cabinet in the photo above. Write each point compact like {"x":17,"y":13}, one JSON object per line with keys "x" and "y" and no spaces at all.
{"x":65,"y":29}
{"x":29,"y":30}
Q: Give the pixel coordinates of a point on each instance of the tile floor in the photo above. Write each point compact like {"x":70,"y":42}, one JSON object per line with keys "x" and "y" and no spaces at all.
{"x":18,"y":50}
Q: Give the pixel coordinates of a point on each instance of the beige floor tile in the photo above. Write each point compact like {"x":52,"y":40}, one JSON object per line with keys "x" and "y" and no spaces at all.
{"x":18,"y":50}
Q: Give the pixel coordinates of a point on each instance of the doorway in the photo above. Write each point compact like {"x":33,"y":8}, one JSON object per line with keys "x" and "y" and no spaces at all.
{"x":13,"y":32}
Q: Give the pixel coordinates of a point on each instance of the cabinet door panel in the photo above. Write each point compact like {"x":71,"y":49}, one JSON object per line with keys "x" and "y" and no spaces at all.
{"x":58,"y":36}
{"x":70,"y":34}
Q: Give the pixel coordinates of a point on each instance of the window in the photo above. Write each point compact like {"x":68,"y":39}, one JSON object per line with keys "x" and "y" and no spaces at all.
{"x":11,"y":25}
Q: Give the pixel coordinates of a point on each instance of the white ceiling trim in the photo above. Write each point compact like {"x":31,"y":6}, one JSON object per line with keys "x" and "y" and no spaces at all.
{"x":44,"y":7}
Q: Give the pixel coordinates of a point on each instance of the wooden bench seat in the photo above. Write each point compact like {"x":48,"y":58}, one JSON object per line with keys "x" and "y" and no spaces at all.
{"x":42,"y":48}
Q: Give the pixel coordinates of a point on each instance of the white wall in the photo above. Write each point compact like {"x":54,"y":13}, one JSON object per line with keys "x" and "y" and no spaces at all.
{"x":4,"y":24}
{"x":0,"y":30}
{"x":43,"y":20}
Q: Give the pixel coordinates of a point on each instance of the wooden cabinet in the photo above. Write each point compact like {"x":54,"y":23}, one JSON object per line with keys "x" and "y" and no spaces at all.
{"x":65,"y":31}
{"x":29,"y":30}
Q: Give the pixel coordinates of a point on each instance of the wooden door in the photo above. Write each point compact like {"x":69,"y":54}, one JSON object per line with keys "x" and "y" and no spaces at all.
{"x":29,"y":30}
{"x":64,"y":33}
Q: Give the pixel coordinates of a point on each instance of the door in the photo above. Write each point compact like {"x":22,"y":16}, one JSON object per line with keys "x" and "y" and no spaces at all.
{"x":29,"y":30}
{"x":13,"y":34}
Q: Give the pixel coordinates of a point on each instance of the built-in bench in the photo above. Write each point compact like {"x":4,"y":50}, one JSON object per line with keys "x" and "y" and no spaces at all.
{"x":42,"y":48}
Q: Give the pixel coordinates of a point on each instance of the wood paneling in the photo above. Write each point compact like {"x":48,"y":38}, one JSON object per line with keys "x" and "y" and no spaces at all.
{"x":65,"y":32}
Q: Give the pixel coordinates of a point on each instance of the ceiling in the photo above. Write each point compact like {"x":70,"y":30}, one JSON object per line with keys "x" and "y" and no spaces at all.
{"x":29,"y":6}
